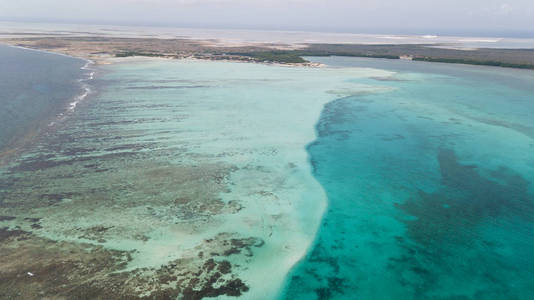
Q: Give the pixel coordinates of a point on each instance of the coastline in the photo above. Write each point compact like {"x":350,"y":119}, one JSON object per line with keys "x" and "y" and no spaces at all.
{"x":104,"y":49}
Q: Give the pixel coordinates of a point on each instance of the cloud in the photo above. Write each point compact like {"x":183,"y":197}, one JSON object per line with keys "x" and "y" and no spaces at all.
{"x":505,"y":9}
{"x":343,"y":15}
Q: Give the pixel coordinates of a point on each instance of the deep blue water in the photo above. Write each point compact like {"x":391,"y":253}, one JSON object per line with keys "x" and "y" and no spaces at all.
{"x":430,"y":187}
{"x":34,"y":86}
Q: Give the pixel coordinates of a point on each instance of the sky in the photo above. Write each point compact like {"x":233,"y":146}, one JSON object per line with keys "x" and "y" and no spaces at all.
{"x":514,"y":17}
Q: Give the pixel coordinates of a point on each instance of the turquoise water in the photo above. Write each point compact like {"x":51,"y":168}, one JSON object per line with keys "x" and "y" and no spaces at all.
{"x":430,"y":188}
{"x":34,"y":87}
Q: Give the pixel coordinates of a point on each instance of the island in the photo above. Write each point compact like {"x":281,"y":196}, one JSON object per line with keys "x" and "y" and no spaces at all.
{"x":100,"y":49}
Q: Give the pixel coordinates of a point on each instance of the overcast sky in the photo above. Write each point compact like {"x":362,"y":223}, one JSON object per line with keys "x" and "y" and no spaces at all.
{"x":380,"y":16}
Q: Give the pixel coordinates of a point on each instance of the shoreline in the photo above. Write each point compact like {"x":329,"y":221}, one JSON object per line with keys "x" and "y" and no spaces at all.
{"x":110,"y":59}
{"x":104,"y":49}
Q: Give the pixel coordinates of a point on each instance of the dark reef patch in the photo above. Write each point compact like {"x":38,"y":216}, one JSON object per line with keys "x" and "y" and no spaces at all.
{"x":6,"y":218}
{"x":466,"y":200}
{"x":326,"y":271}
{"x":39,"y":164}
{"x":157,"y":87}
{"x":6,"y":233}
{"x":36,"y":268}
{"x":235,"y":246}
{"x":444,"y":229}
{"x":95,"y":233}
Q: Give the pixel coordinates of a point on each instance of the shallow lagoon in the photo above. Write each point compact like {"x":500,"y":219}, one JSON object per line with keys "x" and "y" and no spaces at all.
{"x":194,"y":173}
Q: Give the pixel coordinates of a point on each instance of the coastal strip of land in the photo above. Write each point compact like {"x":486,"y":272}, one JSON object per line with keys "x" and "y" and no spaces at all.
{"x":102,"y":49}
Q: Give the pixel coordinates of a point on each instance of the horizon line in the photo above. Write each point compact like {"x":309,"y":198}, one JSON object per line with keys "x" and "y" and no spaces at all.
{"x":510,"y":33}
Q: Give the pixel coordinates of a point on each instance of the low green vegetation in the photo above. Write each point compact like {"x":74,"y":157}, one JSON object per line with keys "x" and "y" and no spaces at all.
{"x":295,"y":56}
{"x":275,"y":56}
{"x":369,"y":51}
{"x":510,"y":58}
{"x":475,"y":62}
{"x":342,"y":53}
{"x":136,"y":53}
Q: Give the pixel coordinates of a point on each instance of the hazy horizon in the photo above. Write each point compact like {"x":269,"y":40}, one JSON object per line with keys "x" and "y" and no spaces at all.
{"x":482,"y":18}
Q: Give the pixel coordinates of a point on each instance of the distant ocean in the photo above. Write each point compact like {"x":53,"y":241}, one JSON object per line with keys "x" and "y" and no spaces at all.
{"x":35,"y":87}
